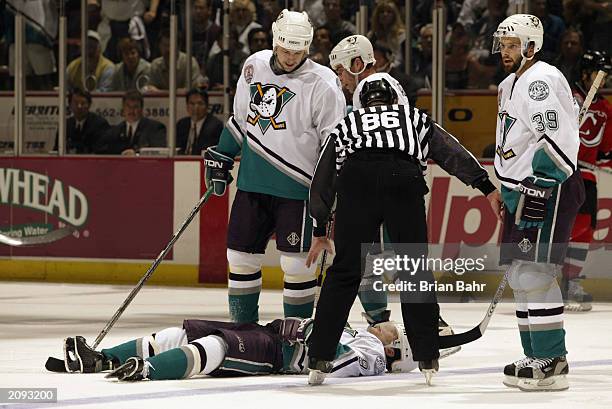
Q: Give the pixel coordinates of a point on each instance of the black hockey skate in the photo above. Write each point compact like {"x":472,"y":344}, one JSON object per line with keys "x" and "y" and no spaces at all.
{"x":132,"y":370}
{"x":511,"y":371}
{"x":429,"y":368}
{"x":81,"y":358}
{"x":544,"y":374}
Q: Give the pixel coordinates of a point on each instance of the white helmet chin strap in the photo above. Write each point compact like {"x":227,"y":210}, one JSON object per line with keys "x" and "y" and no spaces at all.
{"x":525,"y":58}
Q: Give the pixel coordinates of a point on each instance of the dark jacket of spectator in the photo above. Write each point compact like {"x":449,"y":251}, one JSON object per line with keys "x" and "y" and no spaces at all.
{"x":84,"y":139}
{"x":210,"y":132}
{"x":148,"y":133}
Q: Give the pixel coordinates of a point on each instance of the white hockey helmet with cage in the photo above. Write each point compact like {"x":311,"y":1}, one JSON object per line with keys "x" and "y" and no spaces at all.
{"x":350,"y":48}
{"x":527,"y":28}
{"x":402,"y":361}
{"x":292,"y":30}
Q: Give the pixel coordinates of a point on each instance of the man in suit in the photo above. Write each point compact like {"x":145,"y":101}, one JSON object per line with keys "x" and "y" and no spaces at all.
{"x":84,"y":129}
{"x":200,"y":129}
{"x":135,"y":131}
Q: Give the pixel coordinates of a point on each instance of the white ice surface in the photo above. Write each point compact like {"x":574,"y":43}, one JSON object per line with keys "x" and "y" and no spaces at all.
{"x":36,"y":317}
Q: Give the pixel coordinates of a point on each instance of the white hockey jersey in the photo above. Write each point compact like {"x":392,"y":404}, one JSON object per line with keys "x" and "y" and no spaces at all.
{"x":402,"y":98}
{"x":358,"y":353}
{"x":537,"y":128}
{"x":280,"y":123}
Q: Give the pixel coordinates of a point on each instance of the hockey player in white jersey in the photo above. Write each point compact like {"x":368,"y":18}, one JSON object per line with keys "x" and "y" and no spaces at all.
{"x":202,"y":347}
{"x":536,"y":157}
{"x":284,"y":107}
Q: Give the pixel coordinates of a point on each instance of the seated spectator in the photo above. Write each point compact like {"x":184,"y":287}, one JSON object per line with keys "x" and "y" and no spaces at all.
{"x":422,"y":57}
{"x":458,"y":65}
{"x":553,"y":29}
{"x":99,"y":69}
{"x":268,"y":10}
{"x":388,"y":28}
{"x":321,"y":44}
{"x":160,"y":67}
{"x":570,"y":52}
{"x":118,"y":16}
{"x":204,"y":30}
{"x":39,"y":60}
{"x":484,"y":63}
{"x":242,"y":18}
{"x":593,"y":18}
{"x":339,"y":28}
{"x":84,"y":129}
{"x":384,"y":58}
{"x":200,"y":129}
{"x":135,"y":132}
{"x":214,"y":68}
{"x":258,"y":40}
{"x":133,"y":72}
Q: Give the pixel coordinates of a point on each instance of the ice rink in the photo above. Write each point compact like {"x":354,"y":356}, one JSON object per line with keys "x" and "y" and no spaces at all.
{"x":36,"y":317}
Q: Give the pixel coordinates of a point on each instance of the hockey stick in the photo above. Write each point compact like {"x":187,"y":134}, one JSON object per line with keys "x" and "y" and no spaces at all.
{"x":321,"y":276}
{"x":54,"y":364}
{"x":46,"y":238}
{"x":448,"y":341}
{"x":601,"y":74}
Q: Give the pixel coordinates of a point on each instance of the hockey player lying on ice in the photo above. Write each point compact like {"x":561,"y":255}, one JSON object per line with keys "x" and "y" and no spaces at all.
{"x":230,"y":349}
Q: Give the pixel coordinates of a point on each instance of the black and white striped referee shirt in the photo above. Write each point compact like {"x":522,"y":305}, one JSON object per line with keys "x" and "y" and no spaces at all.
{"x":389,"y":127}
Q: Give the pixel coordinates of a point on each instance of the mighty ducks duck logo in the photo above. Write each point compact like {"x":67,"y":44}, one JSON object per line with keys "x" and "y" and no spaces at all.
{"x":267,"y":102}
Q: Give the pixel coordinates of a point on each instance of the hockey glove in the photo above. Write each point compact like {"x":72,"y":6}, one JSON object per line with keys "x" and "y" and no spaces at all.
{"x":218,"y":167}
{"x":296,"y":330}
{"x":531,"y":209}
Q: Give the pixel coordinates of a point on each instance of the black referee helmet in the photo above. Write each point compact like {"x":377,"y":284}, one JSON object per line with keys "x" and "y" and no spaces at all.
{"x":378,"y":92}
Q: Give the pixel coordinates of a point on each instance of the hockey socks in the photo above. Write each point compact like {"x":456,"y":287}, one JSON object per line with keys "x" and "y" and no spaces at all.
{"x":243,"y":296}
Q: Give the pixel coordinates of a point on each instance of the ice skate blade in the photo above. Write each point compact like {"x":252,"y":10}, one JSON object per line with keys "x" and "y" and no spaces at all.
{"x":429,"y":373}
{"x":511,"y":381}
{"x":578,"y":307}
{"x":552,"y":384}
{"x":316,"y":377}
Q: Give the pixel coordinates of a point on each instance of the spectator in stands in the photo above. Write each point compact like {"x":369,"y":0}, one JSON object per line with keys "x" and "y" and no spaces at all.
{"x":242,"y":18}
{"x":321,"y":45}
{"x":485,"y":64}
{"x":458,"y":63}
{"x":268,"y":11}
{"x":135,"y":132}
{"x":388,"y":28}
{"x":99,"y":69}
{"x":259,"y":39}
{"x":593,"y":18}
{"x":333,"y":19}
{"x":200,"y":129}
{"x":423,"y":10}
{"x":471,"y":11}
{"x":84,"y":129}
{"x":316,"y":11}
{"x":204,"y":30}
{"x":160,"y":71}
{"x":39,"y":60}
{"x":384,"y":59}
{"x":133,"y":71}
{"x":421,"y":57}
{"x":570,"y":52}
{"x":214,"y":68}
{"x":117,"y":19}
{"x":553,"y":29}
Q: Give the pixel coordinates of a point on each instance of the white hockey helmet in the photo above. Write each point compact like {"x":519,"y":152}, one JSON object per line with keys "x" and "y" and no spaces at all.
{"x":525,"y":27}
{"x":402,"y":361}
{"x":292,"y":30}
{"x":350,"y":48}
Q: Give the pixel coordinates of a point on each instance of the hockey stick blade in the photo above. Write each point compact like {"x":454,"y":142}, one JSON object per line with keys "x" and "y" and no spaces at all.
{"x":47,"y":238}
{"x":55,"y":365}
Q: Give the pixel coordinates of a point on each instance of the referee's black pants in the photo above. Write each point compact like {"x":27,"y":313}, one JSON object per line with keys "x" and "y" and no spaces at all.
{"x":372,"y":188}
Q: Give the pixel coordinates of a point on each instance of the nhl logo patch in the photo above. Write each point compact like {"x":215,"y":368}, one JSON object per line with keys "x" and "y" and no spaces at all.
{"x":293,"y":239}
{"x":525,"y":245}
{"x":538,"y":90}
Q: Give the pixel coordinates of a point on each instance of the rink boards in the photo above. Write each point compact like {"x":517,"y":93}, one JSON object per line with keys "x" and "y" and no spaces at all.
{"x":125,"y":211}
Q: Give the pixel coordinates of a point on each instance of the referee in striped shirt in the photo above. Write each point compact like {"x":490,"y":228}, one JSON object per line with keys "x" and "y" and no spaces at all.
{"x":374,"y":161}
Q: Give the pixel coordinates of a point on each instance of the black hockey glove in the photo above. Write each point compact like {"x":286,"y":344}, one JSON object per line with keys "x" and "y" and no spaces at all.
{"x":531,"y":209}
{"x":218,"y":167}
{"x":295,"y":330}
